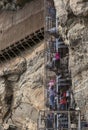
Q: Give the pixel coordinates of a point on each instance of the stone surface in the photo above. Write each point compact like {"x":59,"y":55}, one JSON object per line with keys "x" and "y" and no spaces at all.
{"x":61,"y":11}
{"x":74,"y":30}
{"x":22,"y":80}
{"x":12,"y":5}
{"x":79,"y":7}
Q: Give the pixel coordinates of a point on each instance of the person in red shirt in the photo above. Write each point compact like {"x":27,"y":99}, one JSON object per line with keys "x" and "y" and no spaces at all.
{"x":63,"y":101}
{"x":57,"y":60}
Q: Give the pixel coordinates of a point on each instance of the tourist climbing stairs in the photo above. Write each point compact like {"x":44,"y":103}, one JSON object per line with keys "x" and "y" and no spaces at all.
{"x":60,"y":109}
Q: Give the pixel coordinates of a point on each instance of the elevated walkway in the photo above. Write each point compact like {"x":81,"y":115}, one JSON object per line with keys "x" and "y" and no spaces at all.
{"x":23,"y":23}
{"x":21,"y":46}
{"x":61,"y":120}
{"x":60,"y":112}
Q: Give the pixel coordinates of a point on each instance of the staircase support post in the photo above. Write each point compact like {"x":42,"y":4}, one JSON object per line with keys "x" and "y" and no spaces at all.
{"x":79,"y":121}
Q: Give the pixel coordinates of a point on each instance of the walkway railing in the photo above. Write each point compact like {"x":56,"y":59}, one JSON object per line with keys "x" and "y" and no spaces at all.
{"x":60,"y":112}
{"x":59,"y":120}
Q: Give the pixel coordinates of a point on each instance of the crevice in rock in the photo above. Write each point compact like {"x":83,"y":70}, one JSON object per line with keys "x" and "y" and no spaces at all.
{"x":79,"y":2}
{"x":8,"y":99}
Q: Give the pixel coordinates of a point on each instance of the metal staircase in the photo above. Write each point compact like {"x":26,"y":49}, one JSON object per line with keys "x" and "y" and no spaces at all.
{"x":57,"y":117}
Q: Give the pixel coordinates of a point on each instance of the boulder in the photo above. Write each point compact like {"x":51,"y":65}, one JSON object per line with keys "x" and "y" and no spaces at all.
{"x":79,"y":7}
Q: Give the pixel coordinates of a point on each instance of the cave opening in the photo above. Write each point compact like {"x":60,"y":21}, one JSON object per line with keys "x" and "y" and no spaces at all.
{"x":8,"y":98}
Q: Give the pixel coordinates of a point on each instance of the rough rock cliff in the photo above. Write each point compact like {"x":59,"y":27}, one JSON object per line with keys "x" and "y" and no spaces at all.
{"x":21,"y":80}
{"x":12,"y":4}
{"x":21,"y":89}
{"x":73,"y":27}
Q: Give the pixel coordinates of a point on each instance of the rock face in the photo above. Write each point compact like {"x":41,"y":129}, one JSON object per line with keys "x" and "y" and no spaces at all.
{"x":21,"y":80}
{"x":73,"y":27}
{"x":12,"y":4}
{"x":21,"y":90}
